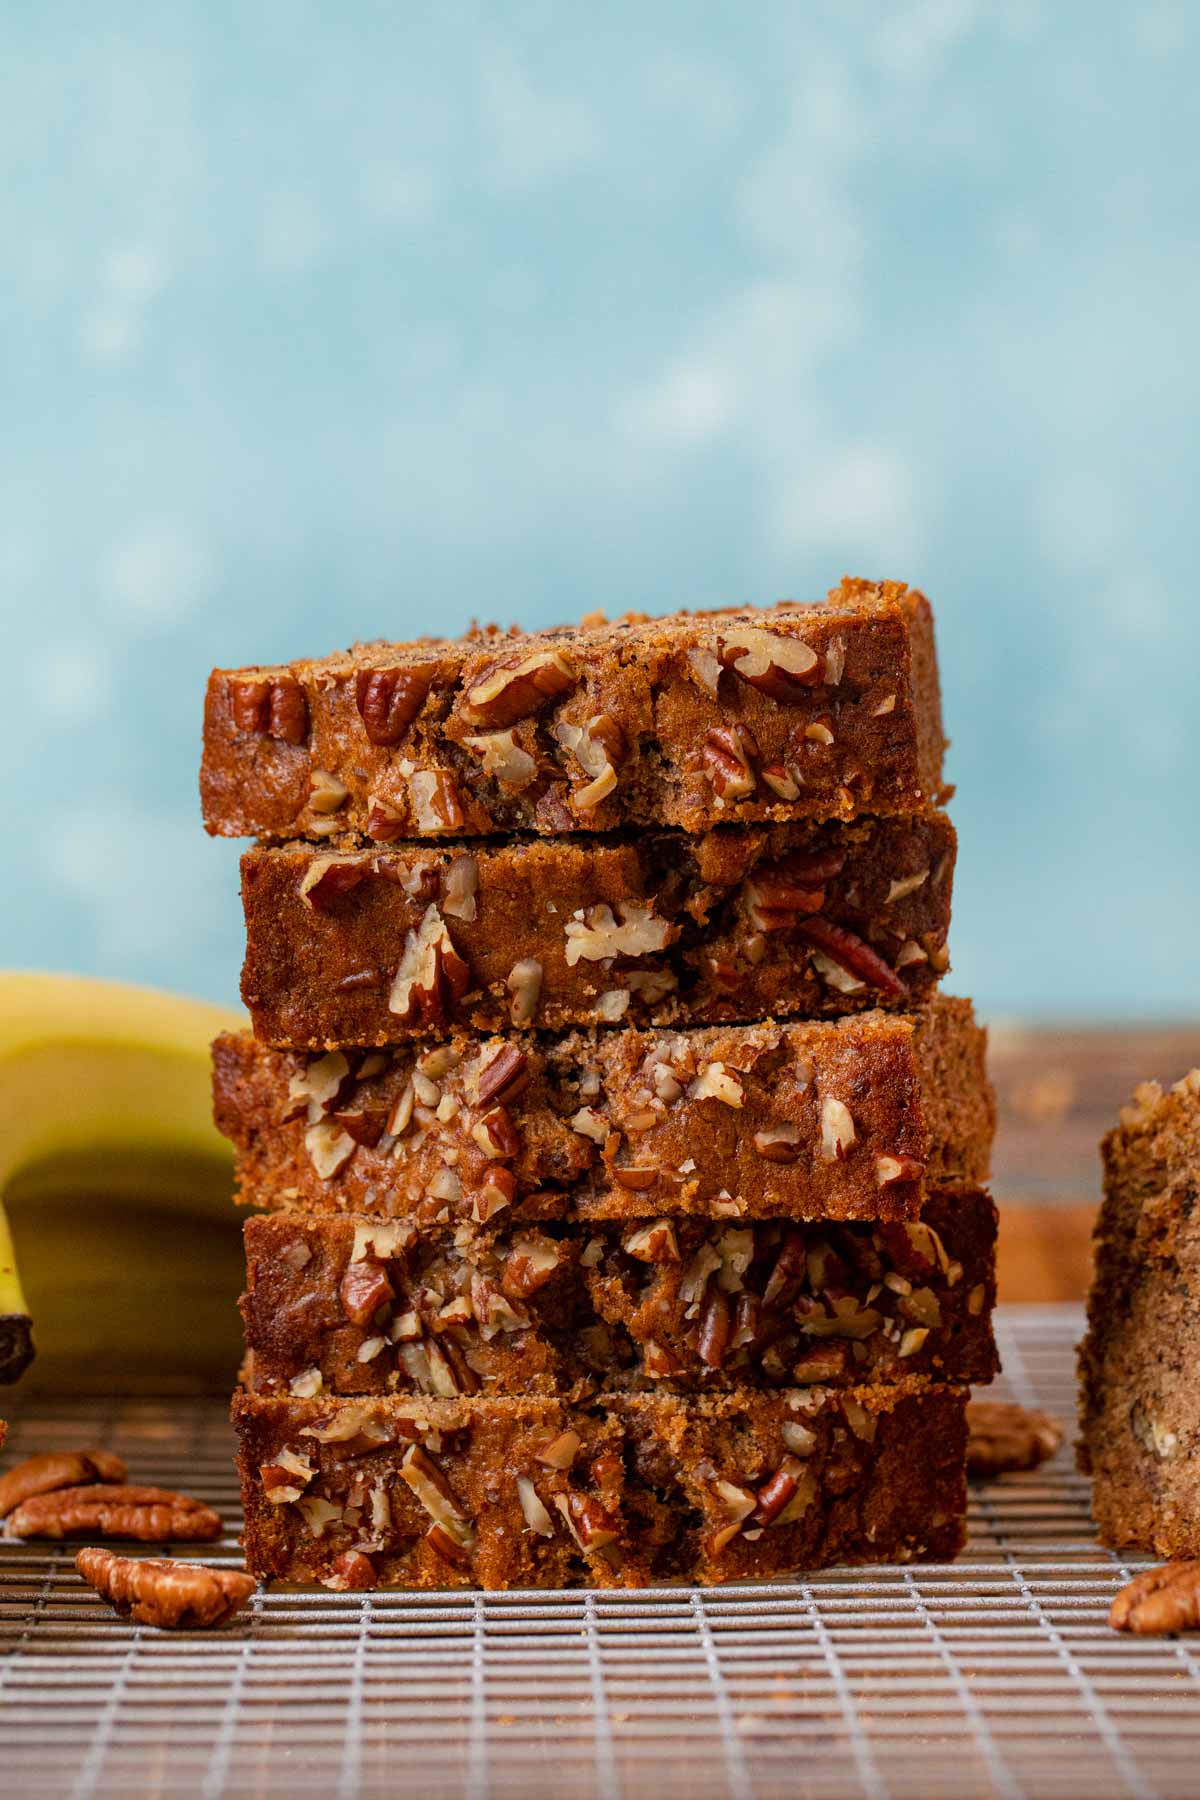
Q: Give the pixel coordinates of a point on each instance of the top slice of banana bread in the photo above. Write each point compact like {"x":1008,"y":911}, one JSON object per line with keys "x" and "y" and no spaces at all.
{"x":820,"y":711}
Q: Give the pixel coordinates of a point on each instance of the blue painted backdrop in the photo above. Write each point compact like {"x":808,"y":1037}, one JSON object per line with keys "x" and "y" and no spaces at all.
{"x":322,"y":322}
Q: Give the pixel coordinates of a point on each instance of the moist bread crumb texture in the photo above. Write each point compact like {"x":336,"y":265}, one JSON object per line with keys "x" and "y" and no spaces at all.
{"x":1140,"y":1437}
{"x":617,"y":1164}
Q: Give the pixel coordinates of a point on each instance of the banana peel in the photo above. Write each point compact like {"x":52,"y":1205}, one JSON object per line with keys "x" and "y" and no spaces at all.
{"x":119,"y":1245}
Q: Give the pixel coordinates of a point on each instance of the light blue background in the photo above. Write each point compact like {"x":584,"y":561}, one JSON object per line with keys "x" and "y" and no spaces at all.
{"x":323,"y":322}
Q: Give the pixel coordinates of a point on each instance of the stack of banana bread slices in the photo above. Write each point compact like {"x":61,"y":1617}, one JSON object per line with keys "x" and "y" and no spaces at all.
{"x":619,"y":1163}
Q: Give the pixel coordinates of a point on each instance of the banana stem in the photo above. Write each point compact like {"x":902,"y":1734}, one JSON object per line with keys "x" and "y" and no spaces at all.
{"x":16,"y":1326}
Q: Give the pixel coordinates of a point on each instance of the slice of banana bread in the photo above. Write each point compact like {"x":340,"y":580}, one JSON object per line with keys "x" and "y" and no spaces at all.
{"x":850,"y":1118}
{"x":786,"y":921}
{"x":792,"y":711}
{"x":1140,"y":1420}
{"x":350,"y":1306}
{"x":537,"y":1493}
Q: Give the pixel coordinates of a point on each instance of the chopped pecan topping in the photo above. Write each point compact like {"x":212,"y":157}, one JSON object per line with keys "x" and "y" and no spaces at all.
{"x":432,"y":1488}
{"x":1160,"y":1600}
{"x":352,"y":1570}
{"x":496,"y":1134}
{"x":781,"y":1145}
{"x":364,"y":1289}
{"x":716,"y":1082}
{"x":524,"y":983}
{"x":529,"y":1265}
{"x":459,"y":888}
{"x":536,"y":1516}
{"x":170,"y":1595}
{"x":600,"y":935}
{"x":655,"y":1243}
{"x":778,"y":1491}
{"x":327,"y":878}
{"x":389,"y":700}
{"x":781,"y":781}
{"x":837,"y":1129}
{"x":276,"y":708}
{"x":365,"y":1124}
{"x":590,"y":1524}
{"x":508,"y":692}
{"x":503,"y":758}
{"x":726,"y":753}
{"x":715,"y":1327}
{"x":57,"y":1469}
{"x":561,"y":1451}
{"x":891,"y":1169}
{"x":155,"y":1515}
{"x":329,"y":1147}
{"x":779,"y":894}
{"x":432,"y":976}
{"x":637,"y":1181}
{"x":853,"y":954}
{"x":437,"y":805}
{"x":506,"y":1077}
{"x":780,"y":667}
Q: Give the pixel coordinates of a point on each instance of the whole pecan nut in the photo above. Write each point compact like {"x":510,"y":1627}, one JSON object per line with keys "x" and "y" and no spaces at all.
{"x":1159,"y":1600}
{"x":57,"y":1469}
{"x":157,"y":1591}
{"x":1002,"y":1438}
{"x":153,"y":1515}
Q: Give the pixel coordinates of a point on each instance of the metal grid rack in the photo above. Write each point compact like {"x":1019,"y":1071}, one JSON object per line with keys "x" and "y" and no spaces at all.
{"x":997,"y":1675}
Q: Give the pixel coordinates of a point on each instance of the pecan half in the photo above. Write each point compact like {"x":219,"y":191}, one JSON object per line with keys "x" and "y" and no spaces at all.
{"x":1159,"y":1600}
{"x":57,"y":1469}
{"x":780,"y":667}
{"x":274,"y":708}
{"x":432,"y":976}
{"x":327,"y":878}
{"x":505,"y":1077}
{"x":174,"y":1596}
{"x":1002,"y":1438}
{"x":155,"y":1515}
{"x":389,"y":700}
{"x":852,"y":953}
{"x":508,"y":692}
{"x":778,"y":894}
{"x":365,"y":1288}
{"x":726,"y":754}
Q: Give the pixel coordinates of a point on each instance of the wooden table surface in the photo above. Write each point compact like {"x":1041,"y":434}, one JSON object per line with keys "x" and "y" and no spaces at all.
{"x":1058,"y":1092}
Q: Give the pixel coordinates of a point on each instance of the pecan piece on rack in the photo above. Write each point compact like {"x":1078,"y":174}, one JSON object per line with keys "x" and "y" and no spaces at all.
{"x":175,"y":1596}
{"x":1159,"y":1600}
{"x":57,"y":1469}
{"x":154,"y":1515}
{"x":1002,"y":1437}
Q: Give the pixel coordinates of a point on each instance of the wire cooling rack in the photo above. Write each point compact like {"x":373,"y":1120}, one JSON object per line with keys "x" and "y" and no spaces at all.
{"x":996,"y":1675}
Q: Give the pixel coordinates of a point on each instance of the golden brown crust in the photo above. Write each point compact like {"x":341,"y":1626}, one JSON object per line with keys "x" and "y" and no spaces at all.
{"x":786,"y":921}
{"x":857,"y":1118}
{"x":658,"y":1305}
{"x":536,"y":1493}
{"x":821,"y":711}
{"x":174,"y":1596}
{"x":1003,"y":1438}
{"x":1140,"y":1440}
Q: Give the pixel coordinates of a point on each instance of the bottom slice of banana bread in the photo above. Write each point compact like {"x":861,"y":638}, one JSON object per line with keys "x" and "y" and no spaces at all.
{"x":636,"y":1488}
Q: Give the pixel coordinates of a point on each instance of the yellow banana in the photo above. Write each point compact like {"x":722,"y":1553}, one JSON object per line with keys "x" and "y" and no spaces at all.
{"x":120,"y":1244}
